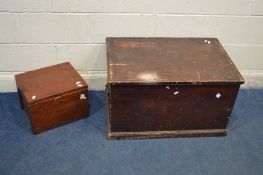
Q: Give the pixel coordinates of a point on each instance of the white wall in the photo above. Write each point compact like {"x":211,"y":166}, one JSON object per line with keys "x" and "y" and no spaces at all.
{"x":37,"y":33}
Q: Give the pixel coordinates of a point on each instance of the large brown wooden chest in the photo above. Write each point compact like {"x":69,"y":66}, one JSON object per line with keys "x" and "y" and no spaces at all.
{"x":169,"y":87}
{"x":52,"y":96}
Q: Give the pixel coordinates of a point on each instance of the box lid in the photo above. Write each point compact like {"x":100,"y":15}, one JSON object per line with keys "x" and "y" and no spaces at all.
{"x":49,"y":82}
{"x":169,"y":61}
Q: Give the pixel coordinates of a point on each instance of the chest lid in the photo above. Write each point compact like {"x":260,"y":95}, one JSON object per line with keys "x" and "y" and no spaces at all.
{"x":49,"y":82}
{"x":169,"y":61}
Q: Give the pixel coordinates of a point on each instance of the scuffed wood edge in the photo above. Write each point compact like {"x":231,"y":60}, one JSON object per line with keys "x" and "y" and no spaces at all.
{"x":223,"y":51}
{"x":167,"y":134}
{"x":108,"y":106}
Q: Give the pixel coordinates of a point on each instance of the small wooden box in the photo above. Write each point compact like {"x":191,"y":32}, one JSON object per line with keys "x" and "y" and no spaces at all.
{"x":52,"y":96}
{"x":169,"y":87}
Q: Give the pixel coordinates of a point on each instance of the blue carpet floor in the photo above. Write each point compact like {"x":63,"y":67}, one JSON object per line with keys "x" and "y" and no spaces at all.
{"x":82,"y":147}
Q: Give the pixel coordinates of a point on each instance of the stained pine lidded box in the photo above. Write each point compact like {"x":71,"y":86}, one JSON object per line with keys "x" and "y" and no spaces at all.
{"x":169,"y":87}
{"x":52,"y":96}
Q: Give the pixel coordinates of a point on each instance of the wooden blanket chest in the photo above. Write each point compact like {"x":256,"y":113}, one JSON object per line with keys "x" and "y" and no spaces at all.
{"x":169,"y":87}
{"x":52,"y":96}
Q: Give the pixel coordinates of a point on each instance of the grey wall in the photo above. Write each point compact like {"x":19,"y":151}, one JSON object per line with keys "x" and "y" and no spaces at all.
{"x":35,"y":33}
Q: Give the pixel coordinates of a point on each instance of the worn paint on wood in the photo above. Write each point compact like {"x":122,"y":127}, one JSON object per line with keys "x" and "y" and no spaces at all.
{"x":169,"y":60}
{"x":52,"y":96}
{"x":167,"y":134}
{"x":179,"y":86}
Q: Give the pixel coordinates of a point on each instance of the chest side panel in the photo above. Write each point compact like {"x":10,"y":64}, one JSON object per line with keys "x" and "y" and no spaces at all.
{"x":165,"y":108}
